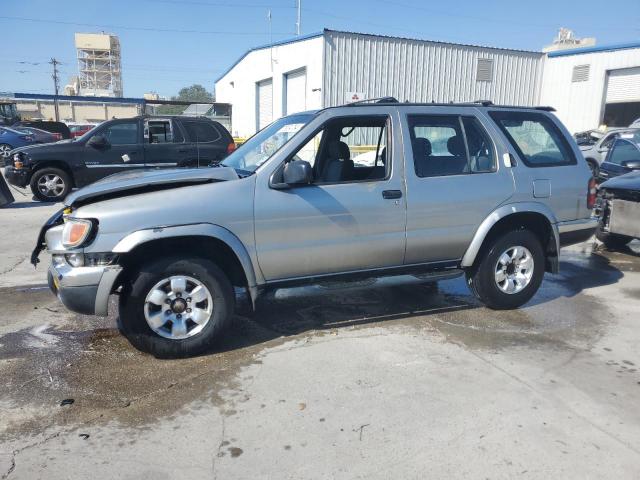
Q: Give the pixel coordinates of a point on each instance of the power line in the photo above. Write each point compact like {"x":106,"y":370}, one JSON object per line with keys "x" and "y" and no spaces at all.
{"x":216,"y":4}
{"x":143,"y":29}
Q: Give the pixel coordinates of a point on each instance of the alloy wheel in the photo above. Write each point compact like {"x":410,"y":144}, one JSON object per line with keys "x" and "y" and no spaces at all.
{"x":51,"y":185}
{"x":4,"y":150}
{"x":178,"y":307}
{"x":514,"y":270}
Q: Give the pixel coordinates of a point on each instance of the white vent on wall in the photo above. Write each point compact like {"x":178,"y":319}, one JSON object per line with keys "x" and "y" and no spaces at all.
{"x":484,"y":72}
{"x":580,"y":73}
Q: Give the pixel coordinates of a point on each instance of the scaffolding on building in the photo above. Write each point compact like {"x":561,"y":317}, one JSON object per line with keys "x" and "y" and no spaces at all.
{"x":99,"y":65}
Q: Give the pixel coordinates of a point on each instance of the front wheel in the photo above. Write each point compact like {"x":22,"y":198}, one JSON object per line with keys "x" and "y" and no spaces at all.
{"x":510,"y":271}
{"x":50,"y":184}
{"x":176,"y":307}
{"x":5,"y":148}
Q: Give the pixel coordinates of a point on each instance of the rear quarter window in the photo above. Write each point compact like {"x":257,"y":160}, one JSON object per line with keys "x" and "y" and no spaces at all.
{"x":536,"y":138}
{"x":201,"y":132}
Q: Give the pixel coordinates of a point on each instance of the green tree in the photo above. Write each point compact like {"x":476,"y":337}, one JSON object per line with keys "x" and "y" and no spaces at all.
{"x":196,"y":93}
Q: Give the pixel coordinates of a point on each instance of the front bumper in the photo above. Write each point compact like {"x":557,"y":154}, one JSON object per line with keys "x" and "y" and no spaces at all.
{"x":83,"y":290}
{"x":19,"y":178}
{"x":576,"y":231}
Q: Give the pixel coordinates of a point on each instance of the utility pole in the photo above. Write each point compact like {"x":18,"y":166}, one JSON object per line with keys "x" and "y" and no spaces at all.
{"x":55,"y":64}
{"x":299,"y":17}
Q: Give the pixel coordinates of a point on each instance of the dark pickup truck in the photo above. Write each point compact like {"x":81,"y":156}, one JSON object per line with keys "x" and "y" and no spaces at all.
{"x":52,"y":170}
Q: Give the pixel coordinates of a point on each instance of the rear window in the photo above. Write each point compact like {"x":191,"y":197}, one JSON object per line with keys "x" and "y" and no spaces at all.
{"x":201,"y":132}
{"x":536,"y":138}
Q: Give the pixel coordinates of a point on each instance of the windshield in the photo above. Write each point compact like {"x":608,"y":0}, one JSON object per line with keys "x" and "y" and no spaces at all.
{"x":259,"y":148}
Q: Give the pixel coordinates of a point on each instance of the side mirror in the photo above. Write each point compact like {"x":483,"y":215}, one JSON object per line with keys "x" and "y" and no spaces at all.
{"x":632,"y":164}
{"x":97,"y":141}
{"x":297,"y":172}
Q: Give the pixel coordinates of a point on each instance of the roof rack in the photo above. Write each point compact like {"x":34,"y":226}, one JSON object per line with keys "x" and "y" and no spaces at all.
{"x":483,"y":103}
{"x":374,"y":100}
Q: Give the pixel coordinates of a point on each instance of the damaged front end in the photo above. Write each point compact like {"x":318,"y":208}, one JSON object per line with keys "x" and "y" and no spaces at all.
{"x":41,"y":244}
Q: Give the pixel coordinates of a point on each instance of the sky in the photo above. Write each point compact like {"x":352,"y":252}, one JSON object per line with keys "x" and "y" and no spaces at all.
{"x":169,"y":44}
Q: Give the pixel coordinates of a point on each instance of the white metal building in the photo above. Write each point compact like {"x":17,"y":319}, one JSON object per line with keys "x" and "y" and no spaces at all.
{"x":593,"y":86}
{"x":587,"y":86}
{"x":333,"y":67}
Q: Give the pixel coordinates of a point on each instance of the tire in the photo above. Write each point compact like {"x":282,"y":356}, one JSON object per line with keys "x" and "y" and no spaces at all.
{"x":5,"y":148}
{"x":164,"y":341}
{"x":482,"y":278}
{"x":611,"y":240}
{"x":50,"y":184}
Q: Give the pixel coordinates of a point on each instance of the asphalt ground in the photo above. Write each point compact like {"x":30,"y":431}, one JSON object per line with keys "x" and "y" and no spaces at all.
{"x":388,"y":378}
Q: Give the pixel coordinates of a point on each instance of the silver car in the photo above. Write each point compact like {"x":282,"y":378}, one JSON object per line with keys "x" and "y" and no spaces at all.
{"x":370,"y":189}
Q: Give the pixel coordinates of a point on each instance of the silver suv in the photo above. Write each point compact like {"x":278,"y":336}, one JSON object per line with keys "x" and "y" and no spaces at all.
{"x":383,"y":188}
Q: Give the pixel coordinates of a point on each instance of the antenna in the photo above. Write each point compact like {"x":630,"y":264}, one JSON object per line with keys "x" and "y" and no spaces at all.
{"x":299,"y":16}
{"x":270,"y":37}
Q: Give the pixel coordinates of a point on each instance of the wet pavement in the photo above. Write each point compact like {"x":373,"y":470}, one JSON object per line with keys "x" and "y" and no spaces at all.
{"x":389,"y":378}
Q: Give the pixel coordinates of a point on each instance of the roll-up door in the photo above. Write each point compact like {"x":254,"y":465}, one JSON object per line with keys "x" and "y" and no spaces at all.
{"x":624,"y":85}
{"x":296,"y":91}
{"x":264,"y":103}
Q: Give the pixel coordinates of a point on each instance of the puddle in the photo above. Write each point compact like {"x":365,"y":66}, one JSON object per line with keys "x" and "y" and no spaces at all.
{"x":63,"y":356}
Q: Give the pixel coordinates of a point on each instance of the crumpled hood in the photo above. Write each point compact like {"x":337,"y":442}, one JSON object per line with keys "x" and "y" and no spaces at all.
{"x":628,"y":181}
{"x":130,"y":183}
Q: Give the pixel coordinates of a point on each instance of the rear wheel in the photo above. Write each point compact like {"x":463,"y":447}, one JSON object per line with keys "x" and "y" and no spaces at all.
{"x":611,"y":240}
{"x":176,"y":307}
{"x":50,"y":184}
{"x":510,"y":271}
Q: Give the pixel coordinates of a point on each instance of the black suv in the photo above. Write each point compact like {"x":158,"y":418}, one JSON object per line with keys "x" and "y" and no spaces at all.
{"x":114,"y":146}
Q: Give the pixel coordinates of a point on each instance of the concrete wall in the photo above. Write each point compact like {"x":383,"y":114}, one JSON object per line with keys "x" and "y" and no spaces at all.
{"x":424,"y":71}
{"x":79,"y":112}
{"x":580,"y":105}
{"x":238,"y":85}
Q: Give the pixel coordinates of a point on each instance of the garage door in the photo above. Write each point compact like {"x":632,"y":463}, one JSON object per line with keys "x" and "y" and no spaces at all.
{"x":264,"y":103}
{"x":296,"y":92}
{"x":624,"y":85}
{"x":622,"y":97}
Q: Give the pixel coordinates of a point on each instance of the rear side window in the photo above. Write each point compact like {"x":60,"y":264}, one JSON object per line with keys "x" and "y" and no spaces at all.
{"x":536,"y":138}
{"x":201,"y":132}
{"x":450,"y":145}
{"x":623,"y":151}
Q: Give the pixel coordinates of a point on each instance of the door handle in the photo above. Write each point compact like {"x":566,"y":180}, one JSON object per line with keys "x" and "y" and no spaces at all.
{"x":182,"y":150}
{"x":391,"y":194}
{"x":133,"y":153}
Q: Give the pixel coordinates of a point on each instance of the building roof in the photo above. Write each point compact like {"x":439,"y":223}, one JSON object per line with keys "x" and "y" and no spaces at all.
{"x":302,"y":38}
{"x":299,"y":38}
{"x":594,"y":49}
{"x":77,"y":98}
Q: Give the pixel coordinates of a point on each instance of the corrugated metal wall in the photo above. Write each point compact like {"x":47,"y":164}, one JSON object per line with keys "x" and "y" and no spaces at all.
{"x":422,"y":71}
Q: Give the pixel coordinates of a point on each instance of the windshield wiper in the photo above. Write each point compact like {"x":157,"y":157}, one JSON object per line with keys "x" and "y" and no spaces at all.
{"x":243,"y":173}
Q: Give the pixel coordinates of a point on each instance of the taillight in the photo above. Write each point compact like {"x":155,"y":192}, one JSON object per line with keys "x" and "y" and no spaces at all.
{"x":231,"y":147}
{"x":592,"y":193}
{"x":57,"y":136}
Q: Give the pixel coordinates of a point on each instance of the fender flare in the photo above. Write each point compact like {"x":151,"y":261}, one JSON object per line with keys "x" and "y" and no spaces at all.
{"x":140,"y":237}
{"x":498,"y":214}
